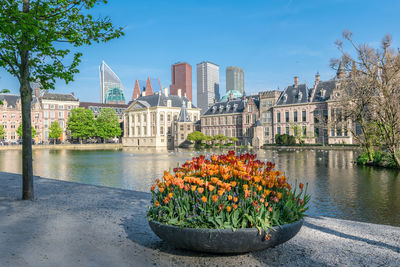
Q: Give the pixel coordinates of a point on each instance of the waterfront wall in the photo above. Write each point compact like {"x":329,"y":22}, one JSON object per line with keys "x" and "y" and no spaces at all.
{"x":67,"y":146}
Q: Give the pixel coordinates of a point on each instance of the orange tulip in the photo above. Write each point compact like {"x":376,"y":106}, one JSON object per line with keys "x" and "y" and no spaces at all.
{"x":193,"y":188}
{"x":215,"y":198}
{"x":211,"y":188}
{"x":161,"y":189}
{"x":171,"y":195}
{"x":301,"y":186}
{"x":228,"y":208}
{"x":200,"y":190}
{"x":204,"y":199}
{"x":235,"y":206}
{"x":157,"y":203}
{"x":279,"y":195}
{"x":235,"y":199}
{"x":233,"y":183}
{"x":229,"y":197}
{"x":245,"y":186}
{"x":166,"y":200}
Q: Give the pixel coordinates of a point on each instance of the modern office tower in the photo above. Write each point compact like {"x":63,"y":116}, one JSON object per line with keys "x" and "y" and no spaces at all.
{"x":207,"y":85}
{"x":181,"y":78}
{"x":234,"y":79}
{"x":111,"y":88}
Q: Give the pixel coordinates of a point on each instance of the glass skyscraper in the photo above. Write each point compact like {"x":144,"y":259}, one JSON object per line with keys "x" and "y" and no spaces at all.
{"x":235,"y":79}
{"x":207,"y":85}
{"x":111,"y":88}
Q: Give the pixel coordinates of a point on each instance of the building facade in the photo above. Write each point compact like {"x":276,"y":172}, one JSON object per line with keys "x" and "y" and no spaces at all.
{"x":268,"y":100}
{"x":111,"y":88}
{"x":45,"y":108}
{"x":149,"y":120}
{"x":207,"y":85}
{"x":181,"y":78}
{"x":235,"y":79}
{"x":236,"y":117}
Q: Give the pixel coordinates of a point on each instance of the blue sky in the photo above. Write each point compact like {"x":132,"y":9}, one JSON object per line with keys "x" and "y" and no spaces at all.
{"x":271,"y":40}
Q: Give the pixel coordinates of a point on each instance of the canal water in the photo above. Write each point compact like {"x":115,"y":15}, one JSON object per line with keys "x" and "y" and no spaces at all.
{"x":339,"y":188}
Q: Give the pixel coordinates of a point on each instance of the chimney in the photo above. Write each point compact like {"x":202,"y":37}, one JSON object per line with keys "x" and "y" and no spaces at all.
{"x":166,"y":92}
{"x":317,"y":78}
{"x":143,"y":93}
{"x":37,"y":92}
{"x":296,"y":81}
{"x":179,"y":92}
{"x":189,"y":104}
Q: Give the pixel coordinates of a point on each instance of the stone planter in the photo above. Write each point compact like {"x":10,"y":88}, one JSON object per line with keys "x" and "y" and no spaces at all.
{"x":224,"y":240}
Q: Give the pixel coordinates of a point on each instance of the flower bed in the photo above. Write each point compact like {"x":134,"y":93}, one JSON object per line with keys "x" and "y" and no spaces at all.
{"x":227,"y":192}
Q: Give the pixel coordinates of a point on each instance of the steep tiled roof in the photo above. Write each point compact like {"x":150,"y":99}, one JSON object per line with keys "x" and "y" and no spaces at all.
{"x":183,"y":115}
{"x":58,"y":97}
{"x":294,"y":95}
{"x":162,"y":100}
{"x":236,"y":105}
{"x":10,"y":99}
{"x":323,"y":91}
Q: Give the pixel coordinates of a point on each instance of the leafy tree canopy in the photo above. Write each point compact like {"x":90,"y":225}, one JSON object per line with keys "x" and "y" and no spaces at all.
{"x":2,"y":132}
{"x":19,"y":132}
{"x":81,"y":123}
{"x":196,"y":136}
{"x":107,"y":124}
{"x":55,"y":130}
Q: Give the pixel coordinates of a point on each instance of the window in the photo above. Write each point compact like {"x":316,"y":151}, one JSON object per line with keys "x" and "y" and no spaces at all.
{"x":316,"y":119}
{"x":68,"y":107}
{"x":287,"y":116}
{"x":264,"y":117}
{"x":61,"y":114}
{"x":188,"y":127}
{"x":12,"y":125}
{"x":316,"y":131}
{"x":226,"y":120}
{"x":247,"y":119}
{"x":287,"y":130}
{"x":278,"y":117}
{"x":269,"y":117}
{"x":181,"y":127}
{"x":144,"y":130}
{"x":264,"y":104}
{"x":304,"y":115}
{"x":182,"y":136}
{"x":52,"y":106}
{"x":52,"y":114}
{"x":169,"y":117}
{"x":266,"y":131}
{"x":13,"y":116}
{"x":226,"y":133}
{"x":60,"y":106}
{"x":339,"y":131}
{"x":46,"y":114}
{"x":61,"y":123}
{"x":46,"y":123}
{"x":5,"y":125}
{"x":295,"y":116}
{"x":304,"y":130}
{"x":254,"y":118}
{"x":4,"y":115}
{"x":278,"y":130}
{"x":144,"y":118}
{"x":45,"y":106}
{"x":250,"y":108}
{"x":333,"y":131}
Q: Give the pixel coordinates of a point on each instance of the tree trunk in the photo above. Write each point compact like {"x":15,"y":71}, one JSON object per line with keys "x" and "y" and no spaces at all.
{"x":26,"y":99}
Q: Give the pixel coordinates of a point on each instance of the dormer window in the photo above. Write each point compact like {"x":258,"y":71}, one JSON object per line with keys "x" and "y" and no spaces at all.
{"x":169,"y":103}
{"x":284,"y":98}
{"x":300,"y":96}
{"x":323,"y":92}
{"x":228,"y":107}
{"x":235,"y":106}
{"x":214,"y":109}
{"x":221,"y":108}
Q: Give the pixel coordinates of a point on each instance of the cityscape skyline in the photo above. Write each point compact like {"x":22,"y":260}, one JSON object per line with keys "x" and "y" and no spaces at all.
{"x":266,"y":49}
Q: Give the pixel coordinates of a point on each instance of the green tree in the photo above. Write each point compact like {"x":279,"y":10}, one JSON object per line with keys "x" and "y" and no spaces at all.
{"x":234,"y":139}
{"x":81,"y":123}
{"x":55,"y":131}
{"x":220,"y":138}
{"x":20,"y":132}
{"x":34,"y":36}
{"x":2,"y":132}
{"x":107,"y":124}
{"x":196,"y":137}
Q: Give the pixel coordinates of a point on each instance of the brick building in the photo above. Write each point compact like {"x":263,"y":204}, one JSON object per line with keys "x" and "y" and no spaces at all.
{"x":181,"y":78}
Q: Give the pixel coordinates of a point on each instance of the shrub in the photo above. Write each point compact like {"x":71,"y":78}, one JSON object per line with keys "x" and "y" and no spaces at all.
{"x":285,"y":139}
{"x":226,"y":191}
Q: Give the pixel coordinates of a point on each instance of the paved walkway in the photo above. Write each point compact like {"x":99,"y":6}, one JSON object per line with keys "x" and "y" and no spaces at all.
{"x":71,"y":224}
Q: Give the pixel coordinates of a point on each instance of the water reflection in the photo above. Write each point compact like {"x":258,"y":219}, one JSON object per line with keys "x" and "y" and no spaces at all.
{"x":338,"y":187}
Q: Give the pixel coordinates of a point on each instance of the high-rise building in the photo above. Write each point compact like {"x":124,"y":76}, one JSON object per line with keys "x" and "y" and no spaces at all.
{"x":181,"y":78}
{"x":207,"y":85}
{"x":111,"y":88}
{"x":234,"y":79}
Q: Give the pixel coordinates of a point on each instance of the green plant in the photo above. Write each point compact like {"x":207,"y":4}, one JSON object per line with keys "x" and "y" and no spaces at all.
{"x":55,"y":131}
{"x":107,"y":124}
{"x":19,"y":131}
{"x":226,"y":191}
{"x":81,"y":123}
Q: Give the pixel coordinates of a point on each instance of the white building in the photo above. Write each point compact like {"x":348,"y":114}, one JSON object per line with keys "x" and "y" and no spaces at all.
{"x":207,"y":85}
{"x":149,"y":120}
